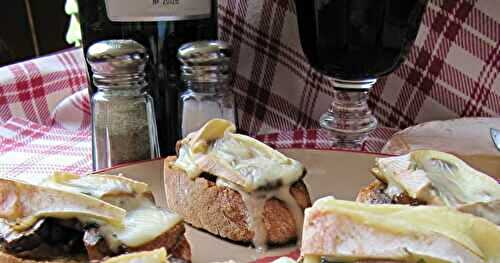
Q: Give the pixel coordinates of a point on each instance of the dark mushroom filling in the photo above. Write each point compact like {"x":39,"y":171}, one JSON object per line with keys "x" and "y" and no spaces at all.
{"x":48,"y":238}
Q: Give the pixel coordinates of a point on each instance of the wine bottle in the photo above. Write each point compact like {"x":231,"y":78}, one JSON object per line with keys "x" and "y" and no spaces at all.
{"x":162,"y":26}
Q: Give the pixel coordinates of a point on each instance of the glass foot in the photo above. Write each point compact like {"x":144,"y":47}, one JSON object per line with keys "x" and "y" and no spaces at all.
{"x":349,"y":120}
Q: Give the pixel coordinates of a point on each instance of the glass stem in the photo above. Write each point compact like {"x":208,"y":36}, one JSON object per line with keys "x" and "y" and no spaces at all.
{"x":349,"y":120}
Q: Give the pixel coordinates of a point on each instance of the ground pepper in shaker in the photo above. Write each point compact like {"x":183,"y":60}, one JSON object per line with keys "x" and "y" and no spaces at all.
{"x":123,"y":119}
{"x":205,"y":72}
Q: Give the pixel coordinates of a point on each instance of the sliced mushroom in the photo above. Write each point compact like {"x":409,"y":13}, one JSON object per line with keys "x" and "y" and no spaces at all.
{"x":50,"y":236}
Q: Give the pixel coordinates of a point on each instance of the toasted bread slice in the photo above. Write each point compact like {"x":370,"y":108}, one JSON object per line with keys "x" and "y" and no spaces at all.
{"x":60,"y":230}
{"x":222,"y":211}
{"x":173,"y":241}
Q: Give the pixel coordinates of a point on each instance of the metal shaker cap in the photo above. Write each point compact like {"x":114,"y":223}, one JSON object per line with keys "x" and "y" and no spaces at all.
{"x":118,"y":62}
{"x":205,"y":61}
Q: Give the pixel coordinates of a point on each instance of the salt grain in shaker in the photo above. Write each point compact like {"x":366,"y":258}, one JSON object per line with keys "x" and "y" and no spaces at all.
{"x":205,"y":72}
{"x":123,"y":119}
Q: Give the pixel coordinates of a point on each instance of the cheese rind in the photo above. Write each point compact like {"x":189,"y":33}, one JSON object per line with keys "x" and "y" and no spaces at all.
{"x":240,"y":159}
{"x":456,"y":182}
{"x":144,"y":221}
{"x":438,"y":178}
{"x":22,"y":205}
{"x":125,"y":213}
{"x":349,"y":230}
{"x":96,"y":185}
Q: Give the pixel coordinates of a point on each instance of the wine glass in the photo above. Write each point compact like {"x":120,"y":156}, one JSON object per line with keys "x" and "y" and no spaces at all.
{"x":356,"y":42}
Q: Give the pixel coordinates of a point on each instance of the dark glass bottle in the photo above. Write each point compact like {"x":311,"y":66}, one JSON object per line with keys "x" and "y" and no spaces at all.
{"x":162,"y":26}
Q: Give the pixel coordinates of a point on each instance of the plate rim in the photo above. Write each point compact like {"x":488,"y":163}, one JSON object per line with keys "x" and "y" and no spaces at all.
{"x":129,"y":163}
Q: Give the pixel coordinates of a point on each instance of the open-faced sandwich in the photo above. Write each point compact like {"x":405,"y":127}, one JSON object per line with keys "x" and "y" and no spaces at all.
{"x":425,"y":207}
{"x":69,"y":218}
{"x":236,"y":187}
{"x":427,"y":177}
{"x":345,"y":231}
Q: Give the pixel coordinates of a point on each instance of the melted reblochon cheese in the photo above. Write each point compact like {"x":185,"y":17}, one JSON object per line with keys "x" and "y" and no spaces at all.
{"x":123,"y":209}
{"x":345,"y":231}
{"x":143,"y":220}
{"x":246,"y":165}
{"x":441,"y":179}
{"x":22,"y":205}
{"x":237,"y":158}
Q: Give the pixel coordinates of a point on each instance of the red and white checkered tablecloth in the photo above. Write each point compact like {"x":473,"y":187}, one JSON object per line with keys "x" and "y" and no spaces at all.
{"x":29,"y":150}
{"x":452,"y":71}
{"x":33,"y":151}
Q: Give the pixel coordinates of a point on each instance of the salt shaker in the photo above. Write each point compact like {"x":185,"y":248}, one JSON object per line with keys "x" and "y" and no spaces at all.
{"x":123,"y":119}
{"x":205,"y":72}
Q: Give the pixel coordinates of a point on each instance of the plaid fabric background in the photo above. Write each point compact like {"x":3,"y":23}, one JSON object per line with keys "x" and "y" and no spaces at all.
{"x":452,"y":71}
{"x":32,"y":90}
{"x":33,"y":151}
{"x":319,"y":139}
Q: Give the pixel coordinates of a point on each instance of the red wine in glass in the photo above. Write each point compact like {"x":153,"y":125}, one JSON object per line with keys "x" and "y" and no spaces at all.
{"x":355,"y":42}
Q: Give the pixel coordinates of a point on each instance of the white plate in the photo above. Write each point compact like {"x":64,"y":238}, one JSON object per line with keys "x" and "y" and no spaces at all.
{"x":340,"y":174}
{"x":337,"y":173}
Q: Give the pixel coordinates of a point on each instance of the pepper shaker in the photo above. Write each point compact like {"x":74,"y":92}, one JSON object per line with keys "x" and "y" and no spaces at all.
{"x":205,"y":71}
{"x":123,"y":118}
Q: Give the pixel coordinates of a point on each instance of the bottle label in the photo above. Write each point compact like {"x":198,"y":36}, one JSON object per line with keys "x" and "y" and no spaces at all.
{"x":157,"y":10}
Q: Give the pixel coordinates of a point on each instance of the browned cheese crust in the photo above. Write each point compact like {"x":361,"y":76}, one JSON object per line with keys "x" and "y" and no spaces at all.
{"x":221,"y":210}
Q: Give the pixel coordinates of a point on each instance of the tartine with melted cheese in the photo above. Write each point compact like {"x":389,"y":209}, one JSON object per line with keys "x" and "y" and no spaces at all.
{"x":72,"y":218}
{"x":428,"y":177}
{"x":236,"y":187}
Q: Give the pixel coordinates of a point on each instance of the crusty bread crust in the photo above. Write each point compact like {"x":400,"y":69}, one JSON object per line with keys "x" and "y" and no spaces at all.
{"x":181,"y":252}
{"x":173,"y":241}
{"x":373,"y":194}
{"x":221,"y":210}
{"x":170,"y":240}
